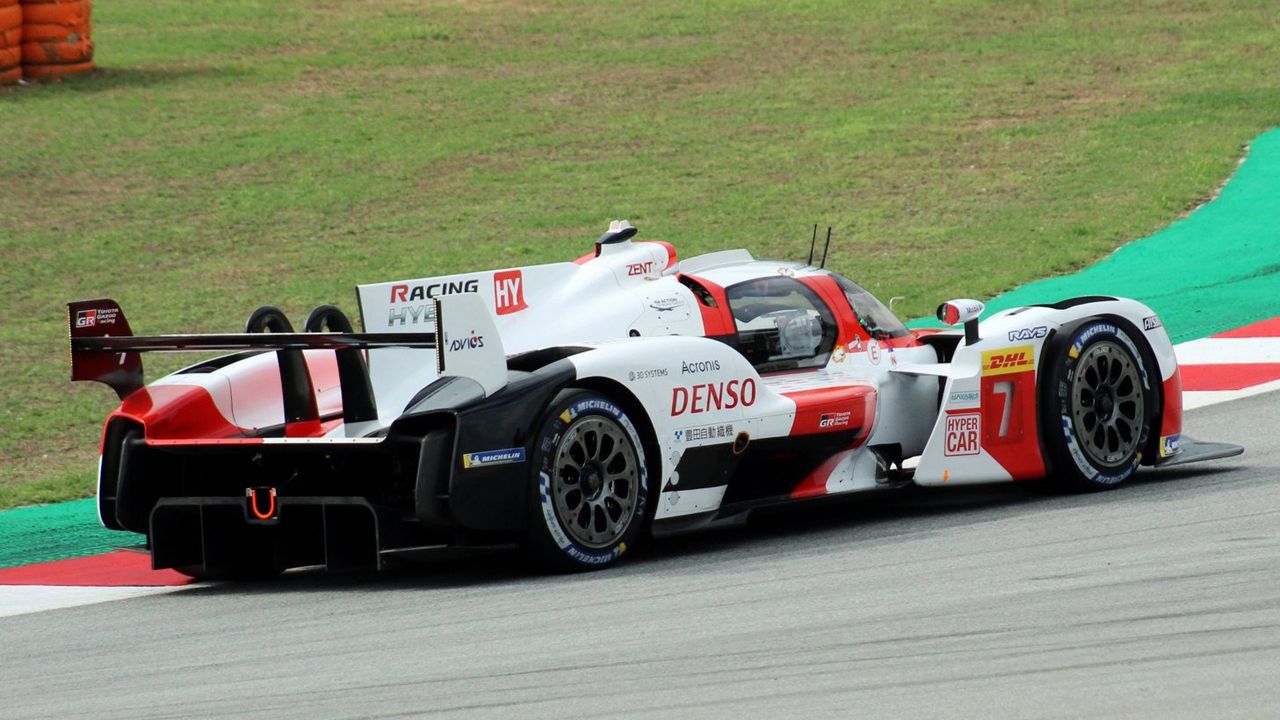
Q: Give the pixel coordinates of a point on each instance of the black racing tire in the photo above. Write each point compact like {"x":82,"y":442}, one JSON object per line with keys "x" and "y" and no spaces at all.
{"x":1099,"y":401}
{"x":589,"y":498}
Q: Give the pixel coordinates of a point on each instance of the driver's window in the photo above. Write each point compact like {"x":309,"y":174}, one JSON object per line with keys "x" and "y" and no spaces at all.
{"x":782,"y":324}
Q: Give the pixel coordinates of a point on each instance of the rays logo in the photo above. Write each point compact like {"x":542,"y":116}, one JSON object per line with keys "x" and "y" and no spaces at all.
{"x":1028,"y":333}
{"x":467,"y":343}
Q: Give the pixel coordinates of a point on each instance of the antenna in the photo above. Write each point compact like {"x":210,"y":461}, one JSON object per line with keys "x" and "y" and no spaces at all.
{"x":825,"y":248}
{"x":813,"y":242}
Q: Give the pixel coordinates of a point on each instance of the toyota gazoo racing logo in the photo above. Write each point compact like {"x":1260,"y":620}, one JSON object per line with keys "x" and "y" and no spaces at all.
{"x":95,"y":317}
{"x":414,"y":300}
{"x":1010,"y":360}
{"x":836,"y":419}
{"x":708,"y":397}
{"x":470,"y":342}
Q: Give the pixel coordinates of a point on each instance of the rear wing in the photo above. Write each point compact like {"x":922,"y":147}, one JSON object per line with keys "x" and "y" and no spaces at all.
{"x":104,"y":349}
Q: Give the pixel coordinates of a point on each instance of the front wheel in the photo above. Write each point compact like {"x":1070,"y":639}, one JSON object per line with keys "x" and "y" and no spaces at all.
{"x":590,"y":484}
{"x":1099,"y":403}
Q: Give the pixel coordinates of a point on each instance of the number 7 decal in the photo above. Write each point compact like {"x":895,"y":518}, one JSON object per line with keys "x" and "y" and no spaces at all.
{"x":1004,"y":388}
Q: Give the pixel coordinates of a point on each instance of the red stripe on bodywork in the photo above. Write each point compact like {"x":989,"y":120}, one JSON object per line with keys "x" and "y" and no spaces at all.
{"x":198,"y":442}
{"x":847,"y":327}
{"x":716,"y":321}
{"x":671,"y":253}
{"x":1228,"y":377}
{"x":1266,"y":328}
{"x":187,"y":412}
{"x":815,"y":485}
{"x":1171,"y":416}
{"x":1014,"y":443}
{"x":811,"y":405}
{"x":176,"y":411}
{"x":113,"y":569}
{"x":925,"y":332}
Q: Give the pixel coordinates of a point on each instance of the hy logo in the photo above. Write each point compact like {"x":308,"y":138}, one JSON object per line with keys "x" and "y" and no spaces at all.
{"x":508,"y":292}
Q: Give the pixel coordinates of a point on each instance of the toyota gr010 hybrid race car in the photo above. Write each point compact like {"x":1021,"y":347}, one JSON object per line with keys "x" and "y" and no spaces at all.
{"x":571,"y":407}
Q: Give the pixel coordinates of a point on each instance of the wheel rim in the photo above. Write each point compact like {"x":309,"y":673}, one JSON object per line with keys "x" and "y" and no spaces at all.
{"x":1107,"y":407}
{"x":596,"y":482}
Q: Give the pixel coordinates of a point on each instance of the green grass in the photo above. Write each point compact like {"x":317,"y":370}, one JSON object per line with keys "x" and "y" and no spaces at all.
{"x":241,"y":152}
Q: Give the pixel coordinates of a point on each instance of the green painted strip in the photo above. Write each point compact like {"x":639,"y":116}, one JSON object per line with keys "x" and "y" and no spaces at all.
{"x":54,"y":532}
{"x":1216,"y":269}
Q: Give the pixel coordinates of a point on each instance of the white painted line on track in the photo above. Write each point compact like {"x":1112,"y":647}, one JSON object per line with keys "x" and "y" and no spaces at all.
{"x":1228,"y":351}
{"x":1203,"y":398}
{"x":26,"y":599}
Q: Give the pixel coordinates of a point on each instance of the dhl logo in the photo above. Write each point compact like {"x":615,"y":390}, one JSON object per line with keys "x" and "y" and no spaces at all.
{"x":1010,"y":360}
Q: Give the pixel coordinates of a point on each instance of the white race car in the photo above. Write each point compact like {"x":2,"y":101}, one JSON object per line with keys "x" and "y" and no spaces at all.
{"x":571,"y":407}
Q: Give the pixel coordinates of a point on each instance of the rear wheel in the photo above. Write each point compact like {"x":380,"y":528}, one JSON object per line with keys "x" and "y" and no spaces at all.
{"x":1100,"y":403}
{"x":590,"y":486}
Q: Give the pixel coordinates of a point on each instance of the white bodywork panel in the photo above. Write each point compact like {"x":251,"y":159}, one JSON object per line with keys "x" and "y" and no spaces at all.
{"x":628,"y":287}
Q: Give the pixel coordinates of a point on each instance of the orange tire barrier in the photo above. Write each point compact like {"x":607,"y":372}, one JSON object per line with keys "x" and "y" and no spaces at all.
{"x":55,"y":33}
{"x":10,"y":38}
{"x":46,"y":72}
{"x":54,"y":53}
{"x":10,"y":16}
{"x":55,"y":38}
{"x":72,"y":12}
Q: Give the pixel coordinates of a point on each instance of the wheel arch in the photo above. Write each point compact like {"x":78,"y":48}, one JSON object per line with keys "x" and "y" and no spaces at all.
{"x":644,"y":425}
{"x":1056,"y":342}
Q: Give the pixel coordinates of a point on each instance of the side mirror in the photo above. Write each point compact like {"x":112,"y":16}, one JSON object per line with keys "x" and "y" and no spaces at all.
{"x":954,"y":312}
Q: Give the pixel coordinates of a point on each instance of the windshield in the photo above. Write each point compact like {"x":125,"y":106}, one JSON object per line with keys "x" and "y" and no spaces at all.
{"x":878,"y":320}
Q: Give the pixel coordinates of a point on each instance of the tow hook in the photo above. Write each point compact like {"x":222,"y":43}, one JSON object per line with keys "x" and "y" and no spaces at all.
{"x":260,"y":505}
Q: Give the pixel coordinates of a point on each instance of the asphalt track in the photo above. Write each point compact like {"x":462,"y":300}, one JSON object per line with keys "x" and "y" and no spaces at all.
{"x":1159,"y":599}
